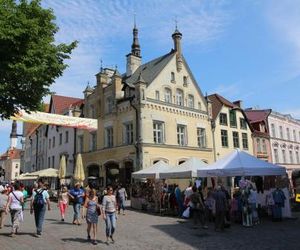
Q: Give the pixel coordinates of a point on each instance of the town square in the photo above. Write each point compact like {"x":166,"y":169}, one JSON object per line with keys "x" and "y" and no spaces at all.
{"x":149,"y":124}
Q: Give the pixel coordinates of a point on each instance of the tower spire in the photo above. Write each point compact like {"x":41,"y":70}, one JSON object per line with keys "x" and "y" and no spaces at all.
{"x":135,"y":47}
{"x":13,"y":135}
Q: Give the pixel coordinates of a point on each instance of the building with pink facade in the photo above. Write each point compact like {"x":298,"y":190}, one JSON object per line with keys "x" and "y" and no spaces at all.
{"x":260,"y":135}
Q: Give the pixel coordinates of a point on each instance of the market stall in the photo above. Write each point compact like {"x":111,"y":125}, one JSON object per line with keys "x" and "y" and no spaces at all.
{"x":146,"y":192}
{"x":186,"y":170}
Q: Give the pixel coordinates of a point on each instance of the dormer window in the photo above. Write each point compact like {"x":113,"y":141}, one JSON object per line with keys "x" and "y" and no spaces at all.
{"x":172,"y":77}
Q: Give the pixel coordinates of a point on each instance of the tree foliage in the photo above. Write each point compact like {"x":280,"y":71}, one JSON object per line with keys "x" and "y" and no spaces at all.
{"x":30,"y":61}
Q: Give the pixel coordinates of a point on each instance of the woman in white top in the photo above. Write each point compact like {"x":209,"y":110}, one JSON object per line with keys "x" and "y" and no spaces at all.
{"x":109,"y":208}
{"x":14,"y":204}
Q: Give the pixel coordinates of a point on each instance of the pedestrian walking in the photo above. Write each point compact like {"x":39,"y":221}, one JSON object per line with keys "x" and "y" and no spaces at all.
{"x":122,"y":197}
{"x":25,"y":193}
{"x":3,"y":202}
{"x":63,"y":202}
{"x":92,"y":213}
{"x":197,"y":208}
{"x":77,"y":195}
{"x":220,"y":208}
{"x":109,"y":208}
{"x":14,"y":205}
{"x":40,"y":198}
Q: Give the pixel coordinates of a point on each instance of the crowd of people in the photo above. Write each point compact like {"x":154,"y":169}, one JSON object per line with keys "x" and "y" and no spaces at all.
{"x":87,"y":204}
{"x":245,"y":206}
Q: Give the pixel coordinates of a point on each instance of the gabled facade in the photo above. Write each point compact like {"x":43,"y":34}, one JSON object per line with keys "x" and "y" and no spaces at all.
{"x":261,"y":134}
{"x":154,"y":111}
{"x":231,"y":129}
{"x":285,"y":140}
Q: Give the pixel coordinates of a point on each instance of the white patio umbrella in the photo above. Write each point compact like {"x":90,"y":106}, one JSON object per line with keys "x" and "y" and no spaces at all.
{"x":62,"y":169}
{"x":79,"y":174}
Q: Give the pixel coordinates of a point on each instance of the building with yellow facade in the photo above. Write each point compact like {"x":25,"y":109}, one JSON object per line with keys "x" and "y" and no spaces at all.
{"x":154,"y":111}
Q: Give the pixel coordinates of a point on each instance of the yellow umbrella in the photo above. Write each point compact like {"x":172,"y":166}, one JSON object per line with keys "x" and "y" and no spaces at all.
{"x":79,"y":171}
{"x":62,"y":168}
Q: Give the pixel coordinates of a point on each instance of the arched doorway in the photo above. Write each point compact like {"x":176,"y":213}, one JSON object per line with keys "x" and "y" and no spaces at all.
{"x":93,"y":176}
{"x":112,"y":173}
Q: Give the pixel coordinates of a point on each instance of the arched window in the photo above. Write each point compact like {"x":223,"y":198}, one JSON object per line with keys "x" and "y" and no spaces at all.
{"x":168,"y":95}
{"x":185,"y":81}
{"x":191,"y":101}
{"x":179,"y":97}
{"x":172,"y":77}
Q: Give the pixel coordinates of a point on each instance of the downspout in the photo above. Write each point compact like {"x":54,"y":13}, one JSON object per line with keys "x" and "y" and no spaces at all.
{"x":137,"y":133}
{"x":75,"y":149}
{"x":36,"y":149}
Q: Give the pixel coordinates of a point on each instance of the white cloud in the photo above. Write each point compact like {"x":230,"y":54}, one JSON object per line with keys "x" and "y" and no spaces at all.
{"x":101,"y":26}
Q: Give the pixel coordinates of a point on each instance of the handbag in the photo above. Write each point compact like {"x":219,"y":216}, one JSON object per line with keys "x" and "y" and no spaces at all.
{"x":98,"y":210}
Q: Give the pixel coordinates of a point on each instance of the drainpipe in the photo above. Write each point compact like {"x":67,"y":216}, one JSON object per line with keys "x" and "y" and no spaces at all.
{"x":213,"y":126}
{"x":75,"y":148}
{"x":137,"y":133}
{"x":36,"y":150}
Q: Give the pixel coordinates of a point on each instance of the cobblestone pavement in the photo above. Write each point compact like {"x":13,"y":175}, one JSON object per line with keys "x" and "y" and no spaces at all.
{"x":138,"y":230}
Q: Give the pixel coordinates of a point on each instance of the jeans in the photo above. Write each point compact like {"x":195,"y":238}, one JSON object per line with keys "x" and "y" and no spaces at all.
{"x":110,"y":222}
{"x":39,"y":215}
{"x":122,"y":204}
{"x":76,"y":207}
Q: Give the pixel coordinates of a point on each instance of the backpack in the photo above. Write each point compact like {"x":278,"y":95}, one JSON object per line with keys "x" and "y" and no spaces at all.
{"x":39,"y":199}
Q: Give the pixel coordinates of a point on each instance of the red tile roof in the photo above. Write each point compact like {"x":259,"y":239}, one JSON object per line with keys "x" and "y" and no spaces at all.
{"x":218,"y":102}
{"x":11,"y":154}
{"x":60,"y":104}
{"x":257,"y":115}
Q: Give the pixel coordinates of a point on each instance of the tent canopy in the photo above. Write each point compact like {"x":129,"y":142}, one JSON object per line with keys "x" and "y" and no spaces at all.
{"x":240,"y":163}
{"x":26,"y":176}
{"x":187,"y":169}
{"x":48,"y":172}
{"x":152,"y":172}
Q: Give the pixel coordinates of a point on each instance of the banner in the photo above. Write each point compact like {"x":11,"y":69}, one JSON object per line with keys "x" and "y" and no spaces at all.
{"x":58,"y":120}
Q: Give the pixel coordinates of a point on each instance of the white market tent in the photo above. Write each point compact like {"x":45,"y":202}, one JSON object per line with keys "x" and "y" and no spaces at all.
{"x":26,"y":176}
{"x":152,"y":172}
{"x":187,"y":169}
{"x":48,"y":172}
{"x":239,"y":163}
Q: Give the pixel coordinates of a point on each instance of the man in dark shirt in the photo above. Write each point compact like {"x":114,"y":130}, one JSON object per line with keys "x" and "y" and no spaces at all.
{"x":221,"y":207}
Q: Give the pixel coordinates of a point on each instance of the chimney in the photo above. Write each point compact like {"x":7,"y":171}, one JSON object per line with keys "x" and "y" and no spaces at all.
{"x":238,"y":103}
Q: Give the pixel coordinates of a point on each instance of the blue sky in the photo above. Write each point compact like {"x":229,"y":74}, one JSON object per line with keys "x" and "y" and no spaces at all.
{"x":248,"y":50}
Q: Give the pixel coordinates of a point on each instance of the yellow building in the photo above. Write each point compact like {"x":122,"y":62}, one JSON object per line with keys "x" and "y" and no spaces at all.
{"x":155,"y":111}
{"x":231,"y":129}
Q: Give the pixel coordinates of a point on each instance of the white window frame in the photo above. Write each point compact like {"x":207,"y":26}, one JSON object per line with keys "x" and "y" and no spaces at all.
{"x":235,"y":139}
{"x":276,"y":156}
{"x":201,"y":137}
{"x":182,"y":135}
{"x":168,"y":95}
{"x":191,"y":101}
{"x":179,"y":97}
{"x":158,"y":132}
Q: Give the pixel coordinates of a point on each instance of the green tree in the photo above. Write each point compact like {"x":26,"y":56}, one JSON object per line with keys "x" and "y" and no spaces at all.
{"x":30,"y":61}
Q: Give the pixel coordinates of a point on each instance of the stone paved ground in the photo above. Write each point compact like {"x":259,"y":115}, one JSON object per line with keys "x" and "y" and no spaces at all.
{"x":138,"y":230}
